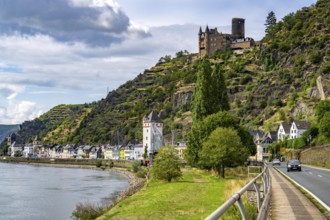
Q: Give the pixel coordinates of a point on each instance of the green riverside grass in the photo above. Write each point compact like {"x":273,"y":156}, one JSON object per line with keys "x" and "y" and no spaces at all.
{"x":195,"y":196}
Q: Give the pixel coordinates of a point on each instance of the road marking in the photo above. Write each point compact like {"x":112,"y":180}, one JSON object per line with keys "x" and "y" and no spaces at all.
{"x":310,"y":173}
{"x":319,"y":175}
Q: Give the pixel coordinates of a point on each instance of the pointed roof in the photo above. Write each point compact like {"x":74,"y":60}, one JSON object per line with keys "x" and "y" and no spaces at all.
{"x":207,"y":30}
{"x":200,"y":31}
{"x":286,"y":127}
{"x":301,"y":124}
{"x":152,"y":117}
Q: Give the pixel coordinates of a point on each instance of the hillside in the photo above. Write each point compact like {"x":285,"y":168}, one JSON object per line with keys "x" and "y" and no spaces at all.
{"x":5,"y":130}
{"x":55,"y":126}
{"x":278,"y":80}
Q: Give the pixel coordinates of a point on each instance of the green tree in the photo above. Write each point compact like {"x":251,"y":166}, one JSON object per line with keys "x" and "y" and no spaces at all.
{"x":210,"y":94}
{"x":17,"y":153}
{"x":167,"y":164}
{"x":322,"y":107}
{"x":202,"y":94}
{"x":201,"y":130}
{"x":223,"y":148}
{"x":270,"y":22}
{"x":324,"y":125}
{"x":221,"y":100}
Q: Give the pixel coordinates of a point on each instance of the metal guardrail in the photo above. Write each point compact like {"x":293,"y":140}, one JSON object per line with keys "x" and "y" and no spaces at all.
{"x":263,"y":198}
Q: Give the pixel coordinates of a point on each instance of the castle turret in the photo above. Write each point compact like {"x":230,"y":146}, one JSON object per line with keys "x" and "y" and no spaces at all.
{"x":200,"y":31}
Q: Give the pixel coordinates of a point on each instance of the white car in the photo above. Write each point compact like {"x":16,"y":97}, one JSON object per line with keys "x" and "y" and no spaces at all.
{"x":276,"y":162}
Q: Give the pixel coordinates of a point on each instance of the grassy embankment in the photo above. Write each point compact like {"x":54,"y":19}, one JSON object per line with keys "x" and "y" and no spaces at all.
{"x":196,"y":195}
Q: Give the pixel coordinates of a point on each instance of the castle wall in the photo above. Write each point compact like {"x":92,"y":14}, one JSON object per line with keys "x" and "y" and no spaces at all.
{"x":211,"y":40}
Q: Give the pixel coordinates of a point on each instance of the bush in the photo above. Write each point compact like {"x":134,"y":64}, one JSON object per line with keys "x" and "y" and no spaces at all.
{"x":136,"y":166}
{"x":89,"y":211}
{"x":98,"y":163}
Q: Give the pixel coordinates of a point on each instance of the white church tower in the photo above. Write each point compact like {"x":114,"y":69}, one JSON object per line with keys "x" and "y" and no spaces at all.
{"x":152,"y":133}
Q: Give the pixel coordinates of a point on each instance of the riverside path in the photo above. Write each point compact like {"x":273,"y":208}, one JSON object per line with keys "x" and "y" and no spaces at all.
{"x":288,"y":202}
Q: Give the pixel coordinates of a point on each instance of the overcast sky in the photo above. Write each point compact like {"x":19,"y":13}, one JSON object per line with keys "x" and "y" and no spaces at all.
{"x":73,"y":51}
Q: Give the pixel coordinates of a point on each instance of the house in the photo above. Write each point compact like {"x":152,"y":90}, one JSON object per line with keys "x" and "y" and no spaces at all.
{"x":86,"y":149}
{"x":80,"y":152}
{"x":121,"y":151}
{"x":181,"y":148}
{"x":283,"y":131}
{"x":262,"y":140}
{"x":95,"y":152}
{"x":15,"y":148}
{"x":257,"y":135}
{"x":28,"y":150}
{"x":107,"y":152}
{"x":298,"y":128}
{"x":138,"y":151}
{"x":115,"y":152}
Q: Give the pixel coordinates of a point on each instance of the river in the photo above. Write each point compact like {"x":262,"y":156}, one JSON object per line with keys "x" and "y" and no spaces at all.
{"x":39,"y":193}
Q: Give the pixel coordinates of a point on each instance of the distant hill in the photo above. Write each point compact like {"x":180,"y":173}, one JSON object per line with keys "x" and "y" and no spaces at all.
{"x":279,"y":80}
{"x":5,"y":130}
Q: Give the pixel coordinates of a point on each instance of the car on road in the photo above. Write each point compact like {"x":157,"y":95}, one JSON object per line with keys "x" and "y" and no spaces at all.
{"x":276,"y":162}
{"x":293,"y":165}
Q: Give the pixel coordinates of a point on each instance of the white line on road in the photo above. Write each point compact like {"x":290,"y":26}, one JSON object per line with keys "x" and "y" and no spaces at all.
{"x":310,"y":173}
{"x":319,"y":175}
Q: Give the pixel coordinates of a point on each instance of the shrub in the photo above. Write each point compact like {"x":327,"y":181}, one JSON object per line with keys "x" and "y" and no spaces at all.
{"x":89,"y":211}
{"x":98,"y":163}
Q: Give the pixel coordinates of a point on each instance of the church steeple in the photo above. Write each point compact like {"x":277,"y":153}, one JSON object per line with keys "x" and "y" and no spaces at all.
{"x":200,"y":31}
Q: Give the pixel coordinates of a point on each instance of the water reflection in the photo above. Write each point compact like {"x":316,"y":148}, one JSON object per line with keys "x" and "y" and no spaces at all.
{"x":38,"y":193}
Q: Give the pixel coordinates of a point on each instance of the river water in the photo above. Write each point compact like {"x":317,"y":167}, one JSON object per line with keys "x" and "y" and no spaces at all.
{"x":49,"y":193}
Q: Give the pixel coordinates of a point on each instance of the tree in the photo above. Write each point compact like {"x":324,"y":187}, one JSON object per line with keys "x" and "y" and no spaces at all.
{"x":223,"y":148}
{"x":201,"y":130}
{"x":202,"y":94}
{"x":270,"y":22}
{"x":167,"y":164}
{"x":221,"y":100}
{"x":324,"y":125}
{"x":321,"y":108}
{"x":210,"y":94}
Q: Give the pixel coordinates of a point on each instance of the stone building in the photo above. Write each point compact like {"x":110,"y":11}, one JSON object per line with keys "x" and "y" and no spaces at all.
{"x":211,"y":40}
{"x":152,"y":134}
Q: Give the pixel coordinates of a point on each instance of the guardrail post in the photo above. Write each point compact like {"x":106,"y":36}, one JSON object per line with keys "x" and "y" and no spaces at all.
{"x":241,"y":206}
{"x":258,"y":195}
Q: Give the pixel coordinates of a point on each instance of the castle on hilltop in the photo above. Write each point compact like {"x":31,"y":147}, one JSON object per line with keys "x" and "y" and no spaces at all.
{"x":211,"y":40}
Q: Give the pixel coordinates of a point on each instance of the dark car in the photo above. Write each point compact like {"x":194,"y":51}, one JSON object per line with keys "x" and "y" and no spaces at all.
{"x":293,"y":165}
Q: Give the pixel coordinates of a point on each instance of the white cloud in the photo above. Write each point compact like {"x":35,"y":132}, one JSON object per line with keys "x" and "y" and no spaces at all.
{"x":17,"y":112}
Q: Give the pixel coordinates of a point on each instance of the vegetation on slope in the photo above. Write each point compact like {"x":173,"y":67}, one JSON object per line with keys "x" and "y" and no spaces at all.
{"x":270,"y":83}
{"x":55,"y":126}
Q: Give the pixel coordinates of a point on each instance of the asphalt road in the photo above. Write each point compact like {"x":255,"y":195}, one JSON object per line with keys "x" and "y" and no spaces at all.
{"x":317,"y":181}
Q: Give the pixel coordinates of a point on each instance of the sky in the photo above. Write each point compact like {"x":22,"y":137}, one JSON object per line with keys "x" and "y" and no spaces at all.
{"x":74,"y":51}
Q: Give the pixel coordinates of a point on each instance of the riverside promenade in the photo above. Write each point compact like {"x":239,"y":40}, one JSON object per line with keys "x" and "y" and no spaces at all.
{"x":288,"y":202}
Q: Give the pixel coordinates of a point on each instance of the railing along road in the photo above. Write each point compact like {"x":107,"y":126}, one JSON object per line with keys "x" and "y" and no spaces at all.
{"x":263,"y":198}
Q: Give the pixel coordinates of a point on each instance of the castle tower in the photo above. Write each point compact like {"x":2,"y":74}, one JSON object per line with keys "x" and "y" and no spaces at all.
{"x":238,"y":28}
{"x":152,"y":133}
{"x":207,"y":40}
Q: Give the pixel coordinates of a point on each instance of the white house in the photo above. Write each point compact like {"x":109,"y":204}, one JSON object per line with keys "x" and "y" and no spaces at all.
{"x":298,"y":128}
{"x":14,"y":147}
{"x":181,"y":147}
{"x":28,"y":150}
{"x":152,"y":133}
{"x":283,"y":131}
{"x":138,"y":151}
